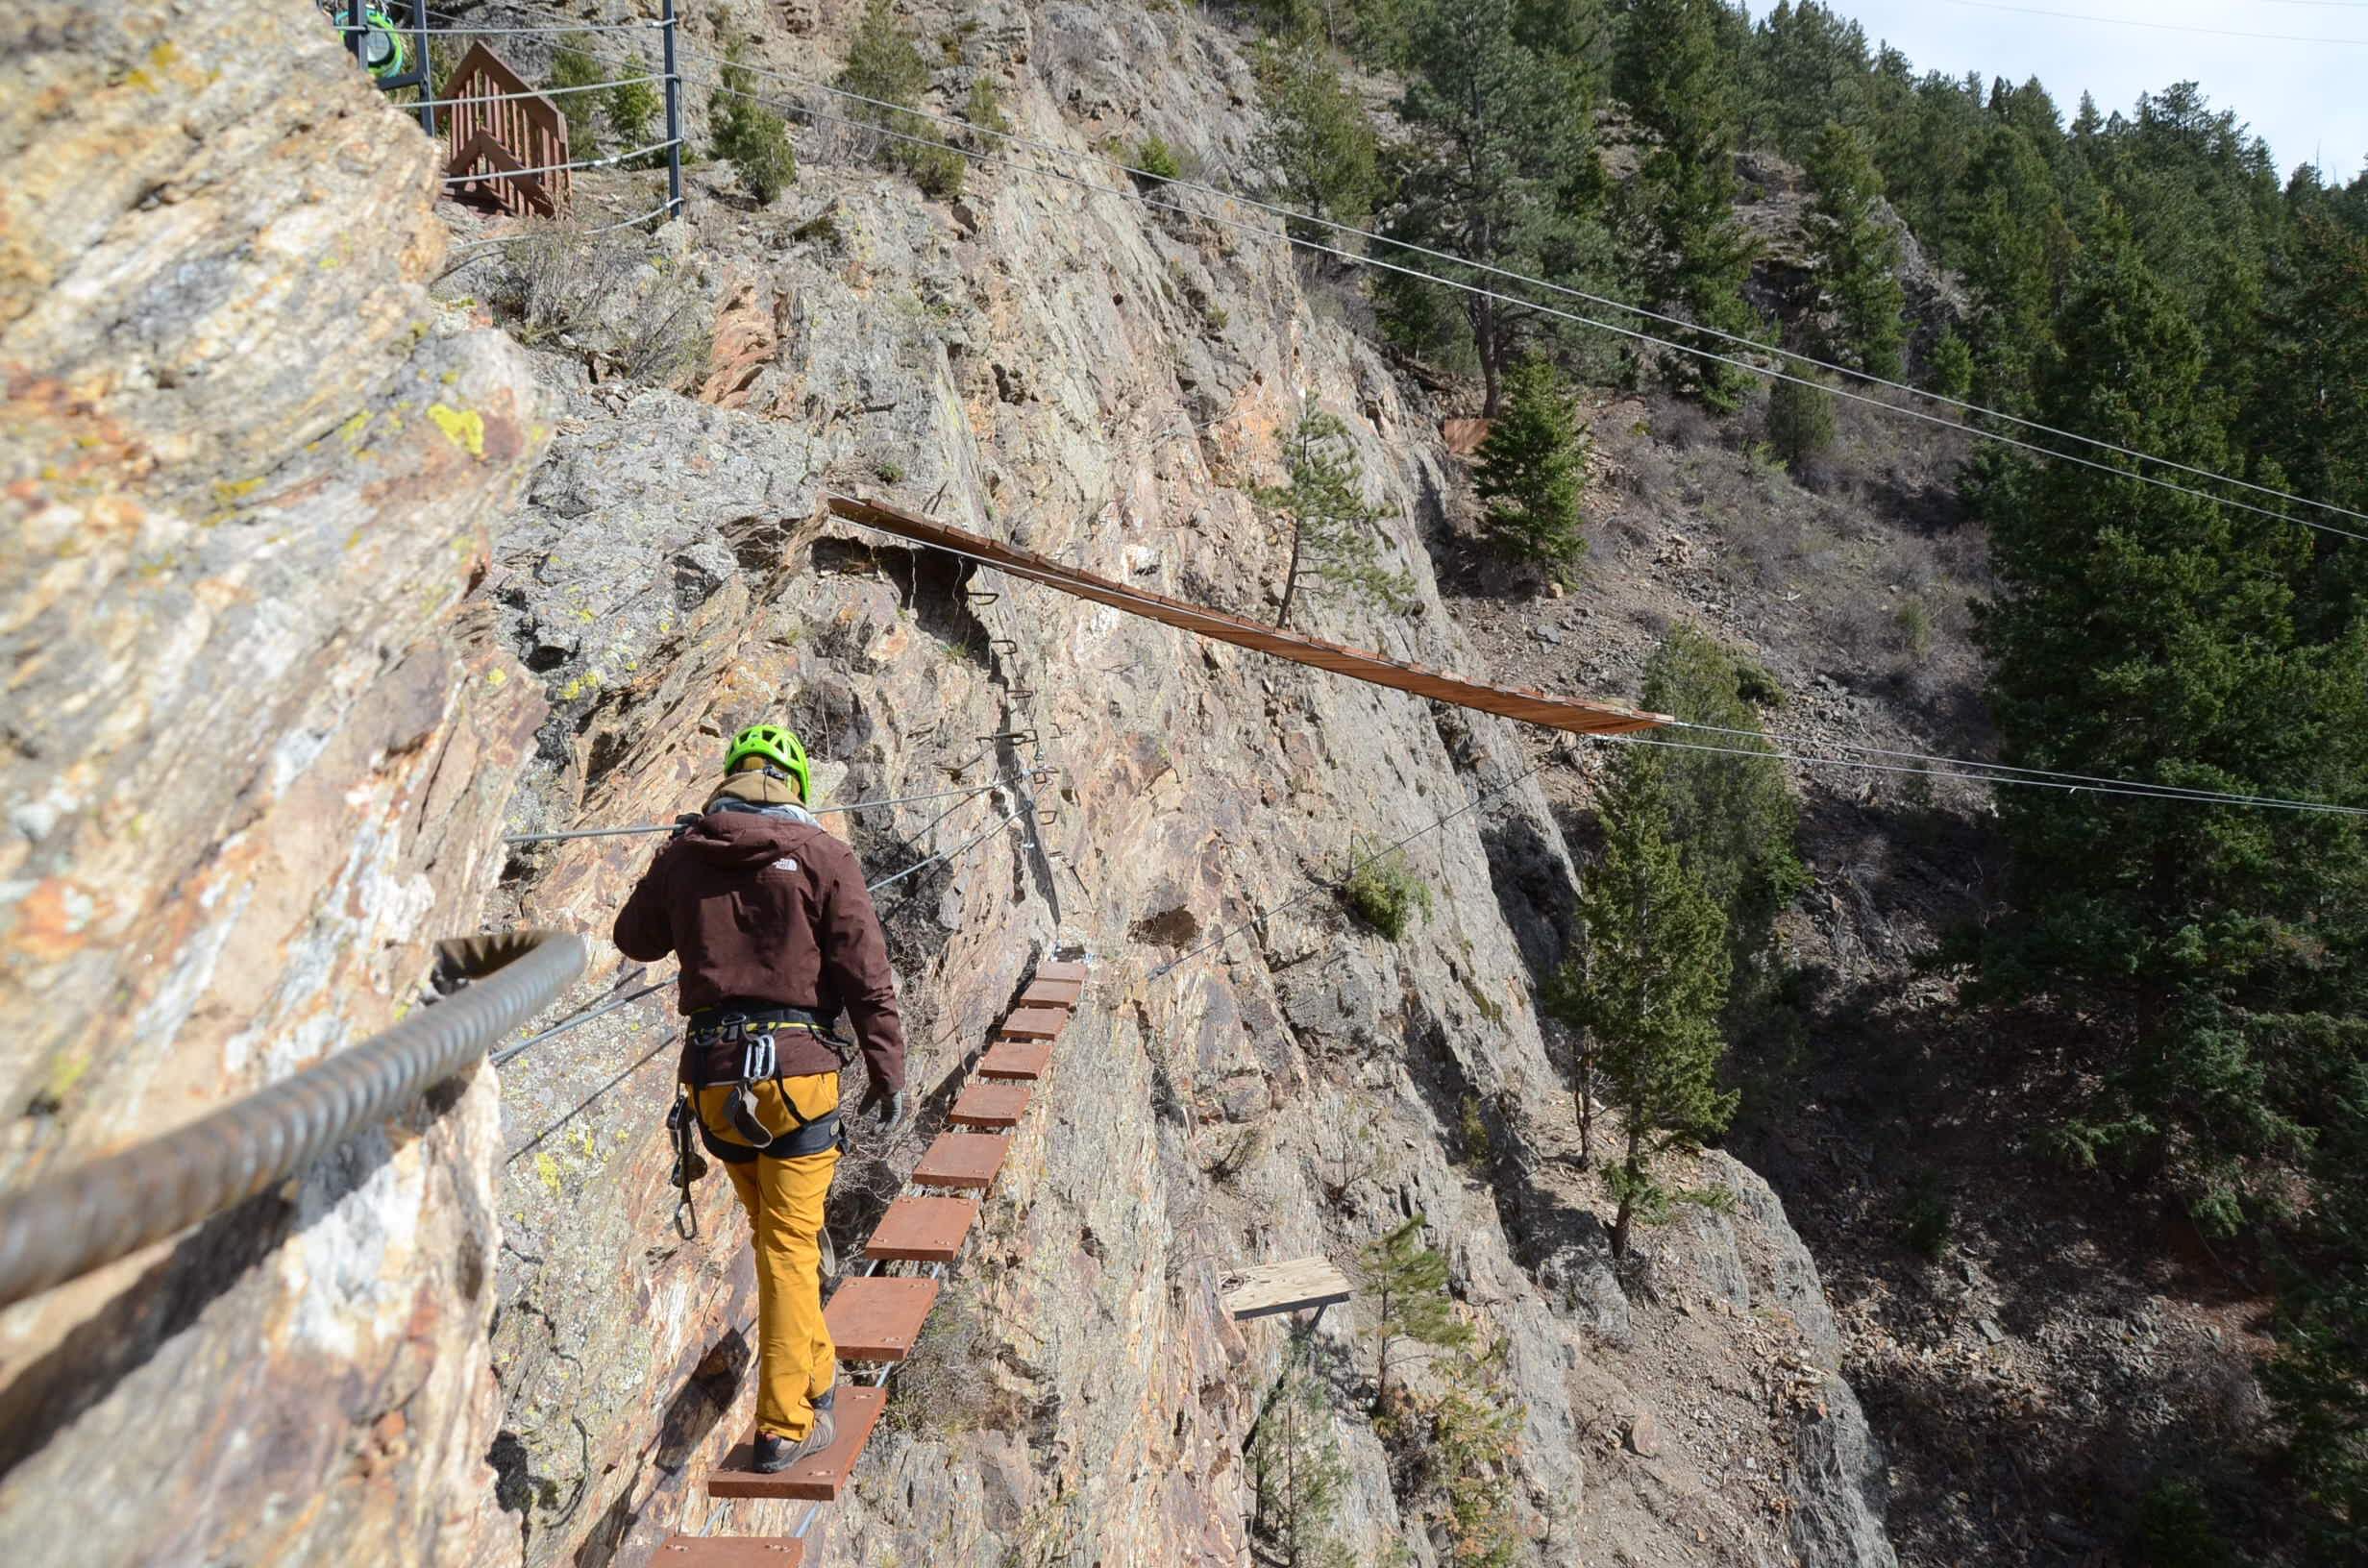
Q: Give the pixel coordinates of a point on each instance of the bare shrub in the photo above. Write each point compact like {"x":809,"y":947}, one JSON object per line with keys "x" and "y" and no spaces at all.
{"x":1684,"y":425}
{"x":667,"y":337}
{"x":634,"y":313}
{"x":556,"y":278}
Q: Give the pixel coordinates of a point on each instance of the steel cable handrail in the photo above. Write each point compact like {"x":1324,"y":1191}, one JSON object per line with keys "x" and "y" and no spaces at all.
{"x":66,"y":1225}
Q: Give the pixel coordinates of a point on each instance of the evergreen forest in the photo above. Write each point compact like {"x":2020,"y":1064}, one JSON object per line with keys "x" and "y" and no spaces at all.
{"x":2169,"y":606}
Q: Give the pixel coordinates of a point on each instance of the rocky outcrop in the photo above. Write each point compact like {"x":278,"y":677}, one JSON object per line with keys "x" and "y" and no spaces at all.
{"x":257,"y":741}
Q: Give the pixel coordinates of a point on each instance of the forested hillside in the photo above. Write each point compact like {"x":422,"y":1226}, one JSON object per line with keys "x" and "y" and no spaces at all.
{"x":2169,"y":605}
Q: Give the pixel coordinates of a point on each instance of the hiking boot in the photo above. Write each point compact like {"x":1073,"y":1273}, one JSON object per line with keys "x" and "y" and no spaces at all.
{"x":776,"y":1453}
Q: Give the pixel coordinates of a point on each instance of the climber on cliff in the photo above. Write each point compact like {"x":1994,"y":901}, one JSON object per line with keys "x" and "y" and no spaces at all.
{"x":776,"y":933}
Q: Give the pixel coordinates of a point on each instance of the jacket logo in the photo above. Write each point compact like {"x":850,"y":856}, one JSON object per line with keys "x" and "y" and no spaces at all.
{"x":785,"y":864}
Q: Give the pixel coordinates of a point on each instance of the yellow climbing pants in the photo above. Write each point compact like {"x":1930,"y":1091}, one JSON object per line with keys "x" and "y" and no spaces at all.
{"x":796,"y":1363}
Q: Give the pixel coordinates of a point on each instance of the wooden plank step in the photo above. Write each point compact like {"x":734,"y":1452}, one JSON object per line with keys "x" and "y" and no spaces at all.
{"x":1042,"y":993}
{"x":990,"y":1105}
{"x":730,"y":1551}
{"x":816,"y":1480}
{"x":1016,"y":1059}
{"x":877,"y":1317}
{"x":924,"y":1229}
{"x":963,"y":1160}
{"x":1035,"y":1022}
{"x":1061,"y":970}
{"x":1268,"y":1288}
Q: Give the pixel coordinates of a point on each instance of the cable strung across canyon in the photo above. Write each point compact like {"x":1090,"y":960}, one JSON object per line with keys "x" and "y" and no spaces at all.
{"x":1295,"y":215}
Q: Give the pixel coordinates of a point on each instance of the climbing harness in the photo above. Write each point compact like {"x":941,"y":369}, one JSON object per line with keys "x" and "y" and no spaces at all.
{"x":712,"y":1043}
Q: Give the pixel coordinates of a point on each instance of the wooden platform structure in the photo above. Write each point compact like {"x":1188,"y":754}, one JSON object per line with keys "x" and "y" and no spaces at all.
{"x":880,"y":1317}
{"x":1287,"y":1286}
{"x":495,"y":136}
{"x":1578,"y":716}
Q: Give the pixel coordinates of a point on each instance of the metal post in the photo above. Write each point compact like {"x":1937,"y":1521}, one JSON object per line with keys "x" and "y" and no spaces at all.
{"x":674,"y":115}
{"x":421,"y":68}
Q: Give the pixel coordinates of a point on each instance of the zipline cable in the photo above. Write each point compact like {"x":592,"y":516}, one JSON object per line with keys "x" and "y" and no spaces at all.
{"x":1949,"y":767}
{"x":1295,"y":215}
{"x":1354,"y":258}
{"x":578,"y":1019}
{"x":2173,"y":791}
{"x":1386,"y":849}
{"x":2134,"y":789}
{"x":999,"y":782}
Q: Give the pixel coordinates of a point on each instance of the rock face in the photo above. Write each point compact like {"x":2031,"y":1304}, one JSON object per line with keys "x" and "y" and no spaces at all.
{"x":258,"y":743}
{"x":1252,"y":1076}
{"x":1065,"y":369}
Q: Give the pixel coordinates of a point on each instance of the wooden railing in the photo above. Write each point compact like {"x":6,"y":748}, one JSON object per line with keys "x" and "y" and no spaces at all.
{"x":509,"y":143}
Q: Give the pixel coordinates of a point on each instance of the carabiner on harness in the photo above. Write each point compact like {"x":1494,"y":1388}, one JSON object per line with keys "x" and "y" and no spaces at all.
{"x":689,"y":1163}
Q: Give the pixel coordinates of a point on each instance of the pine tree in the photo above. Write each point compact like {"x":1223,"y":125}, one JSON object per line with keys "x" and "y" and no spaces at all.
{"x":1800,"y":417}
{"x":1295,"y":1467}
{"x":575,"y":78}
{"x":1809,"y":68}
{"x":1405,"y":1279}
{"x":1681,"y":84}
{"x":1949,"y":371}
{"x":1475,"y":1444}
{"x":1500,"y":167}
{"x":2145,"y":634}
{"x":2017,"y":245}
{"x":1533,"y":470}
{"x":1333,"y":530}
{"x":1654,"y":983}
{"x":1857,"y":253}
{"x":1733,"y":818}
{"x":752,"y":137}
{"x":1317,"y":138}
{"x":2319,"y":1376}
{"x":884,"y":65}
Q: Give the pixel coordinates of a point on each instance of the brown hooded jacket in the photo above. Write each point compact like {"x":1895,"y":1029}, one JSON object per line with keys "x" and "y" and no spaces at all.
{"x":766,"y":907}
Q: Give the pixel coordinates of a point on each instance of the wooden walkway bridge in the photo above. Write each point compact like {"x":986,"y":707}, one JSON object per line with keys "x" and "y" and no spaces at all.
{"x":877,"y":1318}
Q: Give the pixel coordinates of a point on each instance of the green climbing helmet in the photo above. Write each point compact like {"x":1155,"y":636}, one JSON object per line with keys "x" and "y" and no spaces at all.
{"x":776,"y":746}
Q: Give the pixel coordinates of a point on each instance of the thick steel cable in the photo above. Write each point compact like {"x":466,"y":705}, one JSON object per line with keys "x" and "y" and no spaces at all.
{"x":997,"y":782}
{"x":2133,"y":790}
{"x":1296,"y":215}
{"x":66,"y":1225}
{"x":924,"y":865}
{"x":602,"y":1010}
{"x":610,"y":161}
{"x":466,"y":31}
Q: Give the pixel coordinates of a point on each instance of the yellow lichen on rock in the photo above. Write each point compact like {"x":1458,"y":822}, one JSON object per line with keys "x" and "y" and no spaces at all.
{"x":464,"y":428}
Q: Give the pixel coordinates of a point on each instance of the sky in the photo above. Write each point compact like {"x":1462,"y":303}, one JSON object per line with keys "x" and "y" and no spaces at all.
{"x":2307,"y":99}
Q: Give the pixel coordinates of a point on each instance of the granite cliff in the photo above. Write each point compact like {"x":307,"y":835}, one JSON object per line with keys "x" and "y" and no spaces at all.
{"x":393,"y":631}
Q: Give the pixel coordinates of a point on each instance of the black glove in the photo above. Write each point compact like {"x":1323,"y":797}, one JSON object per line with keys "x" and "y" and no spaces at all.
{"x":885,"y":1107}
{"x":682,"y":823}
